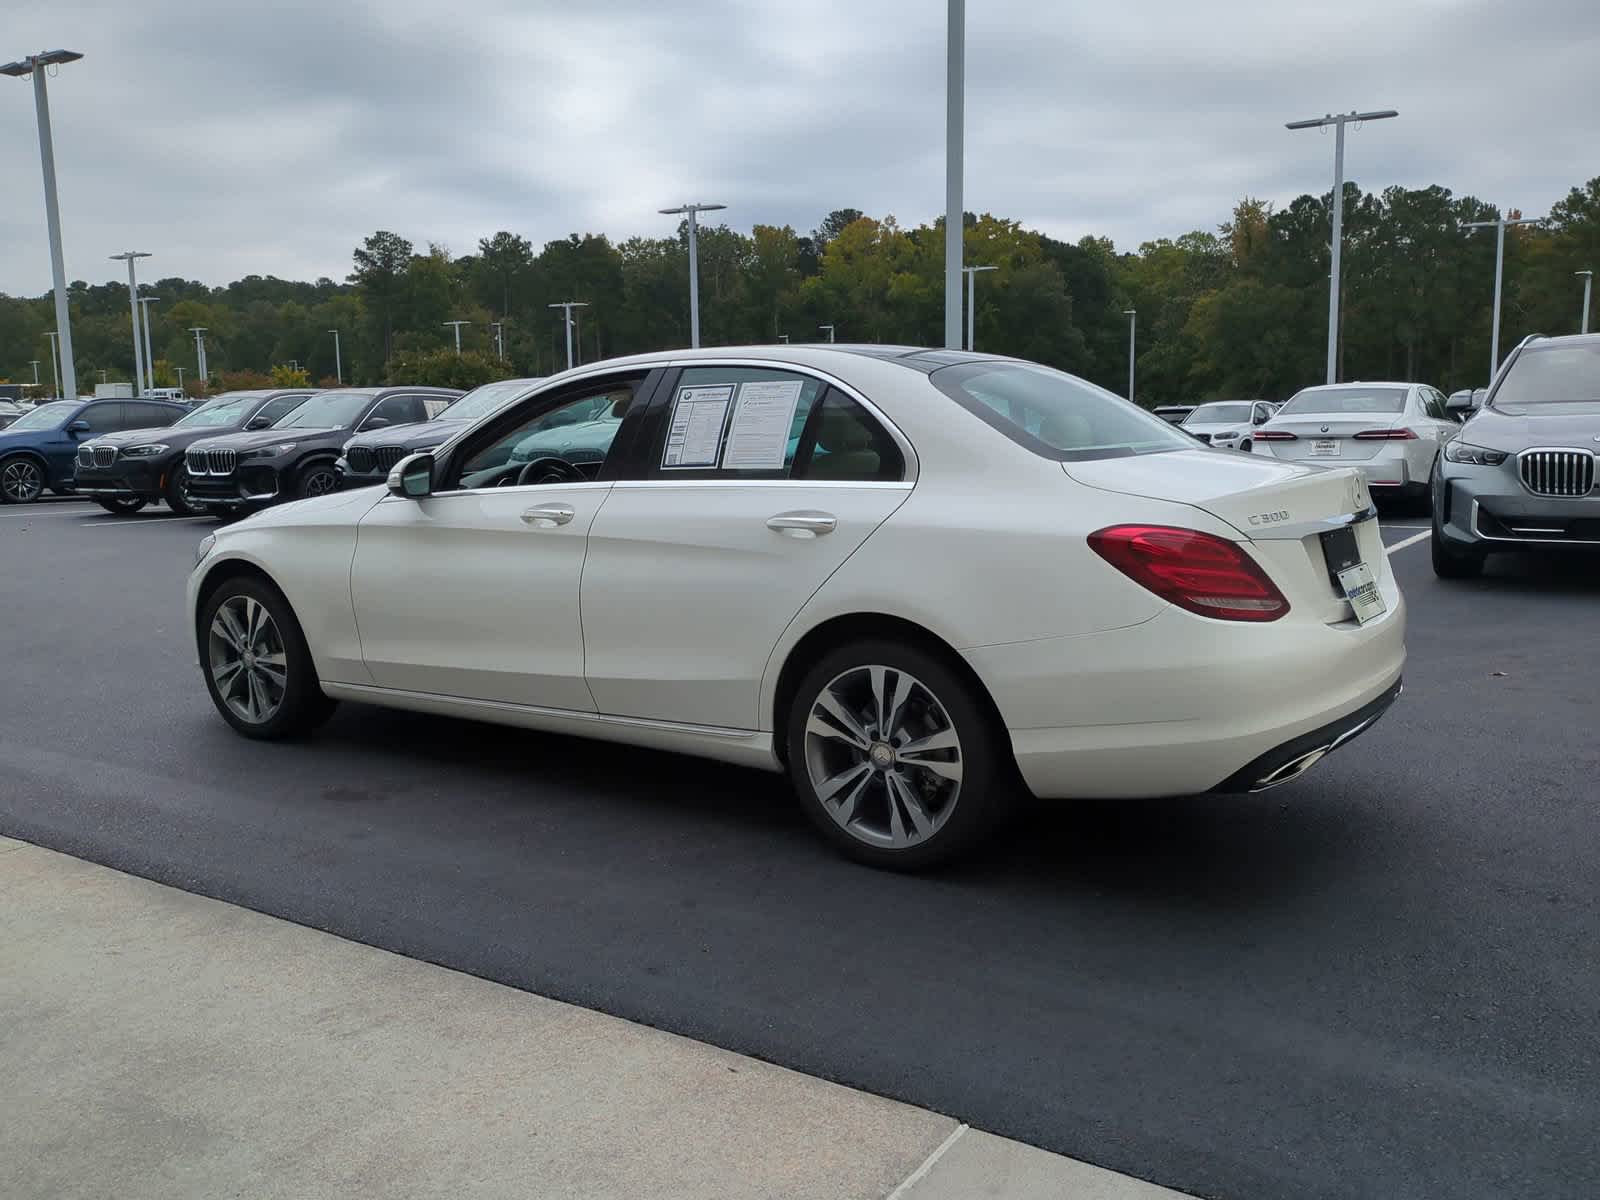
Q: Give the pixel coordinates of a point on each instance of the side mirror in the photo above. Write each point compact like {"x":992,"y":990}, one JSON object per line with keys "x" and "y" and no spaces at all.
{"x":77,"y":427}
{"x":412,"y":477}
{"x":1260,"y":418}
{"x":1460,"y":409}
{"x":376,"y":423}
{"x":258,"y":423}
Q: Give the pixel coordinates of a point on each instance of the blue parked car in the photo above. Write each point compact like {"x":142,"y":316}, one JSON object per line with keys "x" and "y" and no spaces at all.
{"x":40,"y":450}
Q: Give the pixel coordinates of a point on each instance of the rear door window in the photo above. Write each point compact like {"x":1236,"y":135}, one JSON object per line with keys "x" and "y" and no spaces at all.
{"x":731,"y":423}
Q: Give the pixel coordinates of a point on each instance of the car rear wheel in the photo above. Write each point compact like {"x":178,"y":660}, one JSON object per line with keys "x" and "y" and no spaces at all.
{"x":257,"y":666}
{"x":318,"y":479}
{"x":120,"y":505}
{"x":21,"y":480}
{"x":893,"y":758}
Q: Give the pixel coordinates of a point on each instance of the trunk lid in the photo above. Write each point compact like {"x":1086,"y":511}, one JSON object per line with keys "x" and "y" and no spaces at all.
{"x":1327,"y":438}
{"x":1280,"y":508}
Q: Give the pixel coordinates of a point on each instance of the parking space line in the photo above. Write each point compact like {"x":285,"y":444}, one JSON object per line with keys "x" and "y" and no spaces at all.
{"x":141,"y":521}
{"x":1404,"y":542}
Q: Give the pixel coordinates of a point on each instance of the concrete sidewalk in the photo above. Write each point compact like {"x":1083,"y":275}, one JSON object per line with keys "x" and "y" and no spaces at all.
{"x":158,"y":1044}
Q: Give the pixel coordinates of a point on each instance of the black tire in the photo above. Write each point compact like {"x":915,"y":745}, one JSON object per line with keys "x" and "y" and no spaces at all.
{"x":315,"y":479}
{"x":21,"y":479}
{"x":986,"y":787}
{"x":120,"y":505}
{"x":301,"y":705}
{"x":177,"y":491}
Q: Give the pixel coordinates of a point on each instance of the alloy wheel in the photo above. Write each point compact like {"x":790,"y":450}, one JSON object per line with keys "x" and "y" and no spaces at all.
{"x":21,"y":481}
{"x":883,"y":756}
{"x":247,"y":659}
{"x":319,"y":483}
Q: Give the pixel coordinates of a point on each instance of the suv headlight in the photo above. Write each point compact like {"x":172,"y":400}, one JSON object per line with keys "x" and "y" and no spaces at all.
{"x":1477,"y":456}
{"x":149,"y":450}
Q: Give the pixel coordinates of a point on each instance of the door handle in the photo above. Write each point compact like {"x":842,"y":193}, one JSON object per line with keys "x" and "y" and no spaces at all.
{"x":548,"y":516}
{"x":806,"y":524}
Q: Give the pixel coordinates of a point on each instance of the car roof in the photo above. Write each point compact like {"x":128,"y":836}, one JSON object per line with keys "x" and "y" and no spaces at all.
{"x":1565,"y":339}
{"x":1359,"y":383}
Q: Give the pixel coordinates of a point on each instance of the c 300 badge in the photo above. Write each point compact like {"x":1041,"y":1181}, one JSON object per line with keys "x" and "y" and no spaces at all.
{"x":1271,"y":518}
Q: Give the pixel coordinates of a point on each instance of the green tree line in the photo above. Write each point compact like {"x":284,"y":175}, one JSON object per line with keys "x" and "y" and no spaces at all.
{"x":1236,"y":311}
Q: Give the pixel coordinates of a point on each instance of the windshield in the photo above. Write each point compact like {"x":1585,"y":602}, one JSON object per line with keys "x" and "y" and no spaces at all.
{"x":1346,"y":400}
{"x":480,"y":402}
{"x":1057,"y":415}
{"x":1210,"y":414}
{"x":1553,"y":374}
{"x":224,"y":410}
{"x":330,"y":410}
{"x":46,"y":416}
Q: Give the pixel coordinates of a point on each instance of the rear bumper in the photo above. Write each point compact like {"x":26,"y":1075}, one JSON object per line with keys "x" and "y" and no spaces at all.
{"x":1295,"y":757}
{"x":1181,"y":705}
{"x":1388,"y":468}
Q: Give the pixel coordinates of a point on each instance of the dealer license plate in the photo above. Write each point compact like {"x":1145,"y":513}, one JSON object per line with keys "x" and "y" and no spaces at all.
{"x":1362,"y":591}
{"x":1325,"y":448}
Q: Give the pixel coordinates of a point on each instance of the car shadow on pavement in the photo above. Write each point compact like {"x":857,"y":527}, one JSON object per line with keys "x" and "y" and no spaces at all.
{"x":1225,"y":853}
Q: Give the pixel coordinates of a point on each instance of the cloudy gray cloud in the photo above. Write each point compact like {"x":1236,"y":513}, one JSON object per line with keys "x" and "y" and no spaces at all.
{"x":232,"y":138}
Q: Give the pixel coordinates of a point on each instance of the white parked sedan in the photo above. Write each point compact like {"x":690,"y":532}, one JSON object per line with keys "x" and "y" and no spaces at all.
{"x":906,"y":577}
{"x":1390,"y":432}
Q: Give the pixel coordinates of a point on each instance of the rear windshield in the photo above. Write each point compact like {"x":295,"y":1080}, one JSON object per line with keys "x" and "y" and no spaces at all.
{"x":1208,"y":414}
{"x":1056,"y":415}
{"x":1554,"y":374}
{"x":1346,"y":400}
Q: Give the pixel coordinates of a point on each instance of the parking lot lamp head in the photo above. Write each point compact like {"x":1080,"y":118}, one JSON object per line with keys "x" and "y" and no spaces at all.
{"x":35,"y":65}
{"x":691,"y":211}
{"x":1338,"y":121}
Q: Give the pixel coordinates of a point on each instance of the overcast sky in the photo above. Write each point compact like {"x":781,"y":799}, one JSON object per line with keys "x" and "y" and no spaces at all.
{"x":234,"y":138}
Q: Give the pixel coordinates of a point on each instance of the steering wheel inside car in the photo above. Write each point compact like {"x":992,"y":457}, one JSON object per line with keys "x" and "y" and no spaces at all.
{"x":548,"y":470}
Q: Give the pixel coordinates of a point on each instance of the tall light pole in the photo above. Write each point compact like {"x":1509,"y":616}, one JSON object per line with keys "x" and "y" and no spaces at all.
{"x":1339,"y":121}
{"x":149,"y":359}
{"x":954,"y":229}
{"x":1588,"y":282}
{"x":34,"y":363}
{"x":499,"y":339}
{"x":338,"y":362}
{"x":133,"y":306}
{"x":180,"y":371}
{"x":1499,"y":226}
{"x":829,"y":328}
{"x":694,"y":265}
{"x":199,"y":332}
{"x":972,"y":300}
{"x":54,"y":350}
{"x":1133,"y":320}
{"x":567,"y":306}
{"x":35,"y":65}
{"x":457,"y":326}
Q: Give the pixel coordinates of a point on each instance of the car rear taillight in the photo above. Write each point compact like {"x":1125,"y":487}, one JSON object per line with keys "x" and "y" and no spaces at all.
{"x":1273,"y":435}
{"x":1386,"y":435}
{"x":1196,"y":571}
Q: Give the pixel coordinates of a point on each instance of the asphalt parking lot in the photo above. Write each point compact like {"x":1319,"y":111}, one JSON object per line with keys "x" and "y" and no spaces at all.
{"x":1379,"y":981}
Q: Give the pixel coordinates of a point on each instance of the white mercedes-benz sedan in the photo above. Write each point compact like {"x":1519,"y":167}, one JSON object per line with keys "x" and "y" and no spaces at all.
{"x":915,"y":580}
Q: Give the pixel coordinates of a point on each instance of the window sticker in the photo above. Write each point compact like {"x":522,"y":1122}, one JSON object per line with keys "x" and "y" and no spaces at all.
{"x":695,"y":434}
{"x":758,"y":439}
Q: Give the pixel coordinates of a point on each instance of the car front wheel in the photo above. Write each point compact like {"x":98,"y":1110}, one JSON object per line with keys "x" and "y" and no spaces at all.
{"x":893,"y":757}
{"x":177,"y":493}
{"x":21,"y":480}
{"x":1450,"y":563}
{"x":319,"y":479}
{"x":257,"y":666}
